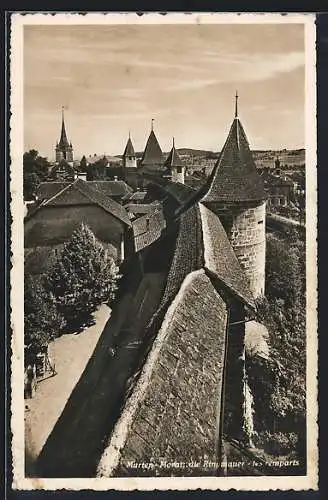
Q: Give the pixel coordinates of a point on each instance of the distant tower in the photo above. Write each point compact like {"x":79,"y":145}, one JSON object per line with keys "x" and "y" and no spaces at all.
{"x":236,"y":194}
{"x":277,"y":163}
{"x":129,"y":156}
{"x":64,"y":149}
{"x":152,"y":158}
{"x":174,"y":166}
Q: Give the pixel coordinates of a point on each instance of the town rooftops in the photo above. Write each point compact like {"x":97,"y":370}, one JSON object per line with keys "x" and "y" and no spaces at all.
{"x":234,"y":177}
{"x":70,"y":195}
{"x":110,"y":188}
{"x":152,"y":154}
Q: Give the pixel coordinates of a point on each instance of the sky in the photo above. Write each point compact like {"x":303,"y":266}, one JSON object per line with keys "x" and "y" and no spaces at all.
{"x":112,"y":79}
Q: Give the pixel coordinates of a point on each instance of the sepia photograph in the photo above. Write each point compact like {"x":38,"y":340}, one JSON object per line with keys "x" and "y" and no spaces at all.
{"x":163,"y":283}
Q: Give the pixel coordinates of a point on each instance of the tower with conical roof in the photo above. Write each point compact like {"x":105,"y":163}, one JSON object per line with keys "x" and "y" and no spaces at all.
{"x":174,"y":167}
{"x":235,"y":192}
{"x":64,"y":149}
{"x":129,"y":156}
{"x":152,"y":158}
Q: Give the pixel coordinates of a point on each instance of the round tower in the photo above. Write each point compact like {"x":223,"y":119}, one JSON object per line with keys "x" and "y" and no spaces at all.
{"x":236,"y":194}
{"x":175,"y":169}
{"x":129,"y":156}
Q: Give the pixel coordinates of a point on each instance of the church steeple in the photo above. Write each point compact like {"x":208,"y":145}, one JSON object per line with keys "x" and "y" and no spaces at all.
{"x":64,"y":149}
{"x":236,"y":104}
{"x":63,"y":142}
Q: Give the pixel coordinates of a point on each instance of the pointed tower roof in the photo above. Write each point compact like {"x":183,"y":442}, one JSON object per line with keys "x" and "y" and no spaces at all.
{"x":234,"y":177}
{"x":129,"y":149}
{"x":63,"y":141}
{"x":173,"y":160}
{"x":152,"y":153}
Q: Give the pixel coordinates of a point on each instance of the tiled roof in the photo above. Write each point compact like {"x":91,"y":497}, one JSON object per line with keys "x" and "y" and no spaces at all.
{"x":166,"y":421}
{"x":63,"y":167}
{"x":48,"y":189}
{"x":234,"y":177}
{"x":173,"y":160}
{"x":148,"y":229}
{"x":181,"y":192}
{"x":71,"y":195}
{"x":136,"y":196}
{"x":220,"y":258}
{"x":143,"y":208}
{"x":153,"y":153}
{"x":188,"y":255}
{"x":129,"y":149}
{"x":110,"y":188}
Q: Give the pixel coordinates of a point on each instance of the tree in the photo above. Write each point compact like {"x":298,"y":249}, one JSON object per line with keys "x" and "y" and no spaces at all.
{"x":31,"y":183}
{"x":278,"y":384}
{"x":83,"y":164}
{"x":42,"y":322}
{"x":97,"y":170}
{"x":35,"y":170}
{"x":83,"y":277}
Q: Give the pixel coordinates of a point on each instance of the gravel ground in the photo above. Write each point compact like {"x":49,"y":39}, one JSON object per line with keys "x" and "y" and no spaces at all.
{"x":70,"y":352}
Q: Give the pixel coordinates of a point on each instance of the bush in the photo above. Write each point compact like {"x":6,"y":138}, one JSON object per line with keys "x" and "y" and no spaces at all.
{"x":42,"y":322}
{"x":278,"y":384}
{"x":83,"y":277}
{"x":277,"y":443}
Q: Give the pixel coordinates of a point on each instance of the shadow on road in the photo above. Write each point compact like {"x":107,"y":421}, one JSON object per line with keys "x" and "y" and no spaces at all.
{"x":80,"y":435}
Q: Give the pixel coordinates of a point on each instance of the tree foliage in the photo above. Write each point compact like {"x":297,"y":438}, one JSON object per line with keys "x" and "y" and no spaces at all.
{"x":35,"y":170}
{"x":41,"y":319}
{"x":83,"y":277}
{"x":97,"y":170}
{"x":278,"y":384}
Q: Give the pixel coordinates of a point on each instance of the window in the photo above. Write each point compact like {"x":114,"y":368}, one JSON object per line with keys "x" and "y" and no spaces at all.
{"x":179,"y":170}
{"x":260,"y":222}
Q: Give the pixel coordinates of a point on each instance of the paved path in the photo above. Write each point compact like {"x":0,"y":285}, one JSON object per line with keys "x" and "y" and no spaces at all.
{"x":71,"y":354}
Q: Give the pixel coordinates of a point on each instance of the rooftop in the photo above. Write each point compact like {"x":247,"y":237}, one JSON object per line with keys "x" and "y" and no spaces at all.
{"x":152,"y":153}
{"x":234,"y":177}
{"x":63,"y":141}
{"x":129,"y":149}
{"x":148,"y":229}
{"x":81,"y":192}
{"x":173,"y":160}
{"x":110,"y":188}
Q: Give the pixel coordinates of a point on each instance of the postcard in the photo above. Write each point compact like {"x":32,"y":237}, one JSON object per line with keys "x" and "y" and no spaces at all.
{"x":163,"y":239}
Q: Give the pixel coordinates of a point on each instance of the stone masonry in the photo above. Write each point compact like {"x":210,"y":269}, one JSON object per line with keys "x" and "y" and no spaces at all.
{"x":245,"y":227}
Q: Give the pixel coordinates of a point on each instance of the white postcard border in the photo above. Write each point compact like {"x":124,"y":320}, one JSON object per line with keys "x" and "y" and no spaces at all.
{"x":310,"y":481}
